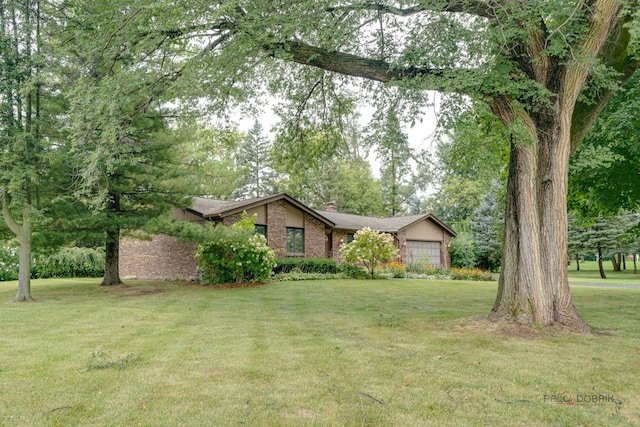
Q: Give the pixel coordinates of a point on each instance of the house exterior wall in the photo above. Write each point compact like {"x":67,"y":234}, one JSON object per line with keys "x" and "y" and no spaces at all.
{"x":277,"y":227}
{"x":339,"y":238}
{"x":314,"y":237}
{"x":295,"y":217}
{"x":426,"y":234}
{"x":424,"y":230}
{"x":163,"y":257}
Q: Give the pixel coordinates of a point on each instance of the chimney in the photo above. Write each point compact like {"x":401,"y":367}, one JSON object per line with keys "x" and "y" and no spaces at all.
{"x":331,"y":207}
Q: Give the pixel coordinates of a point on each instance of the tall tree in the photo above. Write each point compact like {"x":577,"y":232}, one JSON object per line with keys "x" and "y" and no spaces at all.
{"x":118,"y":120}
{"x":393,"y":152}
{"x":254,"y":158}
{"x":27,"y":133}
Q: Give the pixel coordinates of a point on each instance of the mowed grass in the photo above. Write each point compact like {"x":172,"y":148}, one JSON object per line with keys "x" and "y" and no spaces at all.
{"x":336,"y":353}
{"x":589,"y":273}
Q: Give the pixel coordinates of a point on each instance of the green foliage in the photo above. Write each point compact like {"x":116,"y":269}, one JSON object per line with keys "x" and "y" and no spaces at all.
{"x":470,"y":274}
{"x":306,"y":265}
{"x":369,"y":247}
{"x":462,"y":250}
{"x":235,"y":255}
{"x":207,"y":159}
{"x":393,"y":269}
{"x":297,"y":275}
{"x":603,"y":173}
{"x":254,"y":159}
{"x":69,"y":262}
{"x":424,"y":270}
{"x":487,"y":224}
{"x":9,"y":260}
{"x":353,"y":271}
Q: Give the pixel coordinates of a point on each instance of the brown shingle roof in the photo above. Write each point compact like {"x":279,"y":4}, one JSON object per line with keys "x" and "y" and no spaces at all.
{"x":388,"y":225}
{"x":212,"y":208}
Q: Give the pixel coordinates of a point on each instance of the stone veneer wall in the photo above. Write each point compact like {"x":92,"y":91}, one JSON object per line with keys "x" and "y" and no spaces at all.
{"x":314,"y":243}
{"x":164,"y":257}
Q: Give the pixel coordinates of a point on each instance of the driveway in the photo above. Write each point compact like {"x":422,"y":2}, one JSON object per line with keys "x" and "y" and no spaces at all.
{"x":604,"y":285}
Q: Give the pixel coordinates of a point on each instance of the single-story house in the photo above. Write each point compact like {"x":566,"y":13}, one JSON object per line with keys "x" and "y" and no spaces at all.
{"x":292,"y":229}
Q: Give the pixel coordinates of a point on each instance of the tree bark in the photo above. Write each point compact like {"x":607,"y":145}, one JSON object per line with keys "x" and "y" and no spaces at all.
{"x":600,"y":266}
{"x":23,"y":233}
{"x":533,"y":285}
{"x":112,"y":259}
{"x":615,"y":263}
{"x":24,"y":269}
{"x":112,"y":246}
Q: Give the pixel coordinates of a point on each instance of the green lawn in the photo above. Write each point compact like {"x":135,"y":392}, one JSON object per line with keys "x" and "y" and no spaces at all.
{"x":589,"y":273}
{"x":343,"y":353}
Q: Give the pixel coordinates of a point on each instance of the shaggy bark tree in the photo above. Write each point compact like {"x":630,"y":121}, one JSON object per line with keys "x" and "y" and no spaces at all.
{"x":546,"y":69}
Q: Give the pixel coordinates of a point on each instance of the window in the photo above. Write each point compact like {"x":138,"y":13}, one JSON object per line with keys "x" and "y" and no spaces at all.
{"x":295,"y":240}
{"x":261,"y":229}
{"x":350,"y":237}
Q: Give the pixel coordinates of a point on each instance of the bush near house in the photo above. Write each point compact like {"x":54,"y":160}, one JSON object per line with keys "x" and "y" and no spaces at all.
{"x":371,"y":248}
{"x":306,"y":265}
{"x":69,"y":262}
{"x":236,"y":254}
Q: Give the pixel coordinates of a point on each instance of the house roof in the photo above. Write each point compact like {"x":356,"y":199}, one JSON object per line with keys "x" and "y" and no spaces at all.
{"x":217,"y":209}
{"x":388,"y":225}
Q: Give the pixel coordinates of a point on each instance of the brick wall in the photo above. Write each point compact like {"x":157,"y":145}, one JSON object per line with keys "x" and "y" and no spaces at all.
{"x":277,"y":227}
{"x":338,"y":237}
{"x":164,"y":257}
{"x":314,"y":243}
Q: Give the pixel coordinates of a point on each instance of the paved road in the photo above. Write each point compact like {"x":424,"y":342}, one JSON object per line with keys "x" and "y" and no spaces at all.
{"x":605,"y":285}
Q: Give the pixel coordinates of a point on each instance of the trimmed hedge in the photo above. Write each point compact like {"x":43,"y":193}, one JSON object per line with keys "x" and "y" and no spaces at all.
{"x":306,"y":265}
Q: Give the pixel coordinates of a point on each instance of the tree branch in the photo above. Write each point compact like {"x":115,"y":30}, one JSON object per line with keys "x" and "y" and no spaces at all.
{"x":13,"y":225}
{"x":358,"y":66}
{"x":472,"y":7}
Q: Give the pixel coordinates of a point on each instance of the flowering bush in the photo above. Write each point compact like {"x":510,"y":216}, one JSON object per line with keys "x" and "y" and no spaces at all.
{"x":371,"y":248}
{"x":236,"y":254}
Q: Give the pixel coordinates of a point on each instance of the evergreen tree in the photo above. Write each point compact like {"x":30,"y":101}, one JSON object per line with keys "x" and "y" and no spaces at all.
{"x":487,"y":225}
{"x":255,"y":158}
{"x":393,"y":152}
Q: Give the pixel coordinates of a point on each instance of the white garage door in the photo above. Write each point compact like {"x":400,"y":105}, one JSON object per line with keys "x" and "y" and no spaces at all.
{"x":421,"y":251}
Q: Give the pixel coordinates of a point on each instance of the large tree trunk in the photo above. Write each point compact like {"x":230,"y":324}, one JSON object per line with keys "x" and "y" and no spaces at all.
{"x":533,"y":285}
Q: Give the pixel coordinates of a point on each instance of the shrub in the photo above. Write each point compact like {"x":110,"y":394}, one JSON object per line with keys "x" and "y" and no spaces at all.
{"x":236,"y":254}
{"x":427,"y":269}
{"x":296,"y":275}
{"x":306,"y":265}
{"x":470,"y":274}
{"x":352,"y":271}
{"x":9,"y":260}
{"x":371,"y":248}
{"x":69,"y":262}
